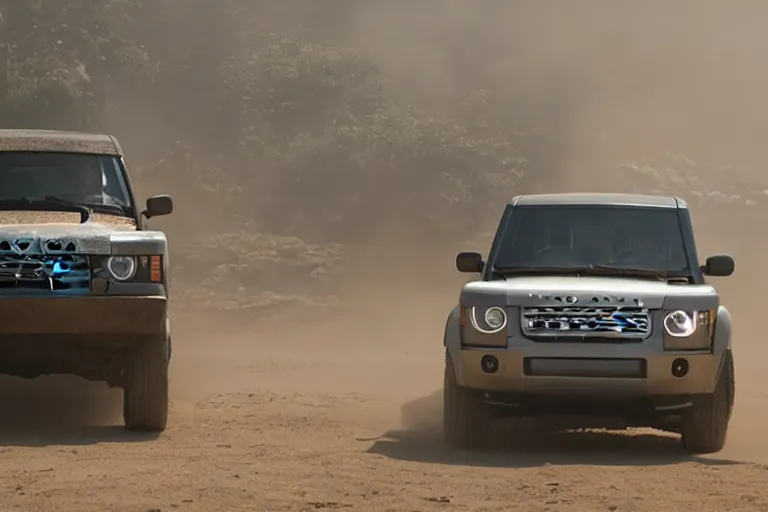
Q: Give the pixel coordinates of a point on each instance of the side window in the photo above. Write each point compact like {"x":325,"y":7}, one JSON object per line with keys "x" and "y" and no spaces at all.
{"x":114,"y":185}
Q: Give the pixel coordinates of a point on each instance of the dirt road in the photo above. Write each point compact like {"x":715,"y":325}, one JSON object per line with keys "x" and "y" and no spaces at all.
{"x":325,"y":416}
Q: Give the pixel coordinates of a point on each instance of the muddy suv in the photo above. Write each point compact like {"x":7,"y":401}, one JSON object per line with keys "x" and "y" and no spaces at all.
{"x":592,"y":304}
{"x":83,"y":283}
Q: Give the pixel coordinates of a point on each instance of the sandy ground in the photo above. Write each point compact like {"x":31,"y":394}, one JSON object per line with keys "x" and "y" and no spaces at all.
{"x":284,"y":415}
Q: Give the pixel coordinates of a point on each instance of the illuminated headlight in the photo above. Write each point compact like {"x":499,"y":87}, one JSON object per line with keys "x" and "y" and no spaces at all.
{"x":122,"y":268}
{"x":688,"y":330}
{"x":681,"y":324}
{"x":488,"y":320}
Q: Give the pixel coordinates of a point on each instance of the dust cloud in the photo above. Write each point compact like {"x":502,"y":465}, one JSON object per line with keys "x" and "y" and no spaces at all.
{"x":588,"y":85}
{"x":308,"y":304}
{"x":593,"y":85}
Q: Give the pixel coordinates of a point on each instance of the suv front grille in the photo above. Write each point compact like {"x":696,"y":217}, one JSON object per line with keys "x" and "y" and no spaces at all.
{"x":582,"y":322}
{"x":44,"y":272}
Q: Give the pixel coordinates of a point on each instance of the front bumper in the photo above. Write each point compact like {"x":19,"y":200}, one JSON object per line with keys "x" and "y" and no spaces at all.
{"x":620,"y":370}
{"x":83,"y":316}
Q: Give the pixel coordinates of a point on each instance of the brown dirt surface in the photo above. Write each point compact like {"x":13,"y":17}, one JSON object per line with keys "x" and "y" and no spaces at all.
{"x":344,"y":414}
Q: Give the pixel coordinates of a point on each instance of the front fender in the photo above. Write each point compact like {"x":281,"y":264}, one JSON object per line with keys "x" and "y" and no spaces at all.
{"x":452,"y":333}
{"x":722,"y":341}
{"x":723,"y":328}
{"x":452,"y":338}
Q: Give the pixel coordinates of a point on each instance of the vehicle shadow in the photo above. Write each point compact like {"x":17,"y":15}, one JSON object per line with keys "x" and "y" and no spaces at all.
{"x":531,"y":442}
{"x":61,"y":410}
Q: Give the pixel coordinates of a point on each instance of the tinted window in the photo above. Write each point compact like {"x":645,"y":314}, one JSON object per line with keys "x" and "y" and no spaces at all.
{"x":593,"y":235}
{"x":75,"y":177}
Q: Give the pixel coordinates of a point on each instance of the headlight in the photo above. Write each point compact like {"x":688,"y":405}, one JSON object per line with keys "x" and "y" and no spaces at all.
{"x":681,"y":324}
{"x":688,"y":330}
{"x":122,"y":268}
{"x":488,"y":320}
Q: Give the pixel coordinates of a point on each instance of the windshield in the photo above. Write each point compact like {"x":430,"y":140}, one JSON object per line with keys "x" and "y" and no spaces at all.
{"x":79,"y":178}
{"x":583,"y":236}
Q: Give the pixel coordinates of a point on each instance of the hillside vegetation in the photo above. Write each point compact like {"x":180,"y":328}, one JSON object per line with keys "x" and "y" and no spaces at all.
{"x":305,"y":128}
{"x":262,"y":131}
{"x":281,"y":149}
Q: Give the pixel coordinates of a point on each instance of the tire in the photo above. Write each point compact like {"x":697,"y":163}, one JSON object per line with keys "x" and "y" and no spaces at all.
{"x":145,"y":397}
{"x":466,"y":420}
{"x":705,"y":429}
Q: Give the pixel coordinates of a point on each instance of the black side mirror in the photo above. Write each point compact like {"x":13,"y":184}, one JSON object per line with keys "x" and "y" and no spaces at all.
{"x":157,"y":206}
{"x":720,"y":265}
{"x":469,"y":262}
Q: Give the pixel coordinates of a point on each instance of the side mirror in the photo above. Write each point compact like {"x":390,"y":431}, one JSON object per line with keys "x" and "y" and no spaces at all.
{"x":469,"y":262}
{"x":720,"y":265}
{"x":158,"y":206}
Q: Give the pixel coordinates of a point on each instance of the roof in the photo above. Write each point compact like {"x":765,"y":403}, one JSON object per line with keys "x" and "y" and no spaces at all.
{"x":598,"y":199}
{"x":59,"y":142}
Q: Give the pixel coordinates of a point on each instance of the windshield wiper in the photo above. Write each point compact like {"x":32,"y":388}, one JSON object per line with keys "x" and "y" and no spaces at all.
{"x":85,"y":211}
{"x":91,"y":207}
{"x":104,"y":208}
{"x":604,"y":270}
{"x":535,"y":270}
{"x":47,"y":204}
{"x":625,"y":271}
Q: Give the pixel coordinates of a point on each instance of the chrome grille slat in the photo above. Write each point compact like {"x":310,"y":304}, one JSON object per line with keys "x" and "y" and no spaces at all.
{"x":593,"y":321}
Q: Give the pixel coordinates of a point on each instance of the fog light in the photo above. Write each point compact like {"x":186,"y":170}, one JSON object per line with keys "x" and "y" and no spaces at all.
{"x":99,"y":285}
{"x":680,"y":367}
{"x":489,"y":364}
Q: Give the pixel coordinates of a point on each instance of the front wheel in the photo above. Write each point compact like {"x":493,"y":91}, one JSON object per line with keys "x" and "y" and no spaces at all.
{"x":705,"y":429}
{"x":466,"y":420}
{"x":145,"y":396}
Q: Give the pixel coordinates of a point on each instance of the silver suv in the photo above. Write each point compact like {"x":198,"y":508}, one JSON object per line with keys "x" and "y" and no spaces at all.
{"x":592,"y":304}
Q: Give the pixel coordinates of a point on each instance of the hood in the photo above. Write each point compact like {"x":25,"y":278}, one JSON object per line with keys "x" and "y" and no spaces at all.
{"x":28,"y":232}
{"x":554,"y":291}
{"x":19,"y":221}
